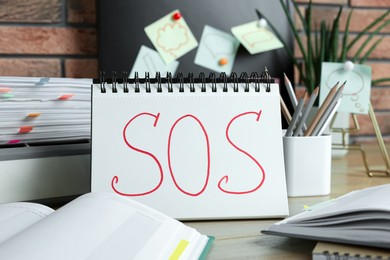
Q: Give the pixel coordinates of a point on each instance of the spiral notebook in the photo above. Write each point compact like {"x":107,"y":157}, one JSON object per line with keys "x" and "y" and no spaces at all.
{"x":191,"y":147}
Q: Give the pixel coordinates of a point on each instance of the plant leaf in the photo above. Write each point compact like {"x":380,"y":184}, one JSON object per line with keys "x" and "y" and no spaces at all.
{"x":343,"y":55}
{"x":367,"y":54}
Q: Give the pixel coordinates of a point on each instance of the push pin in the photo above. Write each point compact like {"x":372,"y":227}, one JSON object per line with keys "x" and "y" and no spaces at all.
{"x":223,"y":61}
{"x":348,"y":65}
{"x":262,"y":23}
{"x":176,"y":16}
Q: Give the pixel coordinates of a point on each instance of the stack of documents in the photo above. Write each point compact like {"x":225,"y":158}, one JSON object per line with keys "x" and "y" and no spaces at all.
{"x":44,"y":110}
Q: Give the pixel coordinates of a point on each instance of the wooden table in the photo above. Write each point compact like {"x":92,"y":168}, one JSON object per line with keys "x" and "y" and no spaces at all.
{"x":241,"y":239}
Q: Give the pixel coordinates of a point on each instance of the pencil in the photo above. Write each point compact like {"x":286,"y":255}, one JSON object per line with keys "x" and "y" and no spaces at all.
{"x":285,"y":111}
{"x":321,"y":110}
{"x":306,"y":110}
{"x":296,"y":115}
{"x":329,"y":110}
{"x":290,"y":91}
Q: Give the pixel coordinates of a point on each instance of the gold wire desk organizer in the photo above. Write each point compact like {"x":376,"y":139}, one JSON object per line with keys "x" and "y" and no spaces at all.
{"x":358,"y":147}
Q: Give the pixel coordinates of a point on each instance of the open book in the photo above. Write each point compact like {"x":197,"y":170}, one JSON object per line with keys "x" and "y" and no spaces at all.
{"x":360,"y":217}
{"x":96,"y":226}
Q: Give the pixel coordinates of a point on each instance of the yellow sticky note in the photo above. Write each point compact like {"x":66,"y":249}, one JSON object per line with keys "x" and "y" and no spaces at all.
{"x":179,"y":249}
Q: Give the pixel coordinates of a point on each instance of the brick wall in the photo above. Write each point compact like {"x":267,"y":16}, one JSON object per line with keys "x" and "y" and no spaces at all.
{"x":58,"y":38}
{"x":364,"y":12}
{"x":50,"y":38}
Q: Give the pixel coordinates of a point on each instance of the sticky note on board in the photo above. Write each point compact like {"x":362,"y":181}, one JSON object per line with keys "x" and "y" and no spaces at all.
{"x":217,"y":50}
{"x":356,"y":94}
{"x":255,"y":38}
{"x":149,"y":60}
{"x":171,"y":36}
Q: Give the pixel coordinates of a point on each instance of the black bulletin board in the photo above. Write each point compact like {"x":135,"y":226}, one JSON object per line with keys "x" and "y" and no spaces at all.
{"x":121,"y":26}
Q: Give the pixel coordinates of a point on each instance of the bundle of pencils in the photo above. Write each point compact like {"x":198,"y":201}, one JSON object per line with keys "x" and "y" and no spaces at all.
{"x":302,"y":107}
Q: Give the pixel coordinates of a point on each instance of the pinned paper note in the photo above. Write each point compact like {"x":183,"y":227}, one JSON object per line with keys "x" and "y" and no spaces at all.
{"x":217,"y":50}
{"x":149,"y":60}
{"x":171,"y":36}
{"x":356,"y":94}
{"x":256,"y":37}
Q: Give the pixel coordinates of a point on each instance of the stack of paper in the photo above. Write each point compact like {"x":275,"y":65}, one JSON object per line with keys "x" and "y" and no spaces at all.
{"x":36,"y":110}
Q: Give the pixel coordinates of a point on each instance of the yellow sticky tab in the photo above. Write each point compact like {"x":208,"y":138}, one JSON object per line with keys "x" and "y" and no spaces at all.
{"x":179,"y":249}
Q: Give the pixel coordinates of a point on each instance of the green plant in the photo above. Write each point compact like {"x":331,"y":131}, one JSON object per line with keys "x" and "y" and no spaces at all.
{"x":326,"y":44}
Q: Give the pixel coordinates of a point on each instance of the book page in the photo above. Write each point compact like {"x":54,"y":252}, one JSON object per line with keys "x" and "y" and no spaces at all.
{"x":103,"y":226}
{"x":15,"y":217}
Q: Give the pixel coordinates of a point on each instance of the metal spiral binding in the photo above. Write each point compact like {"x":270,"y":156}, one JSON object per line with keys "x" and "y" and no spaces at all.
{"x":102,"y":82}
{"x":158,"y":80}
{"x":202,"y":78}
{"x":125,"y":77}
{"x":114,"y":88}
{"x":222,"y":83}
{"x":244,"y":76}
{"x":192,"y":83}
{"x":213,"y":82}
{"x":147,"y":82}
{"x":136,"y":81}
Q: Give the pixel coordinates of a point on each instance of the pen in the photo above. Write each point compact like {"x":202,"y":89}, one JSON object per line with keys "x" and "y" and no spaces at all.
{"x":296,"y":115}
{"x":321,"y":110}
{"x":306,"y":111}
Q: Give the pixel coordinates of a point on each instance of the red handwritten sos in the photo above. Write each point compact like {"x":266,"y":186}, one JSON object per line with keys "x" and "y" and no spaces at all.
{"x":223,"y":181}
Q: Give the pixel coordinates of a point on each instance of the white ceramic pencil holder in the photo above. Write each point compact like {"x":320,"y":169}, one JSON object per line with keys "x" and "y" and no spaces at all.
{"x":308,"y":165}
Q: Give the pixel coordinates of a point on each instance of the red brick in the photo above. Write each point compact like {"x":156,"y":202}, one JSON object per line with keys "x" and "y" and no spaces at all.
{"x":371,"y":3}
{"x":380,"y":70}
{"x":81,"y":68}
{"x":360,"y":18}
{"x":44,"y":40}
{"x":31,"y":11}
{"x":30,"y":67}
{"x":380,"y":98}
{"x":81,"y":11}
{"x":342,"y":2}
{"x":366,"y":127}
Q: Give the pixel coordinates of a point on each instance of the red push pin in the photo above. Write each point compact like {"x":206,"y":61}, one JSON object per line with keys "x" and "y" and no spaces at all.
{"x":176,"y":16}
